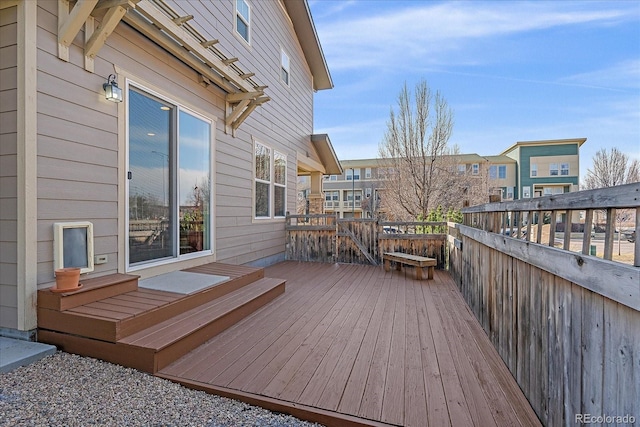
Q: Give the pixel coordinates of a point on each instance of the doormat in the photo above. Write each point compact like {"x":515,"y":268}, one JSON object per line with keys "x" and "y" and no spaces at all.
{"x":181,"y":282}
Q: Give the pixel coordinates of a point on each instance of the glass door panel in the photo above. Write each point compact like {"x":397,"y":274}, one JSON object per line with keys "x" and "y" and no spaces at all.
{"x":195,"y":183}
{"x":151,"y":206}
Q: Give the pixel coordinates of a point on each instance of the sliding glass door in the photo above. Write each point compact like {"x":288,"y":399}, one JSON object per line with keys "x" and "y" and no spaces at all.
{"x":169,"y":180}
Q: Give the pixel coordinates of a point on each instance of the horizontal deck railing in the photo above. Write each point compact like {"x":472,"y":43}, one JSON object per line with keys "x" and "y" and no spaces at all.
{"x":526,"y":219}
{"x":327,"y":238}
{"x":564,"y":321}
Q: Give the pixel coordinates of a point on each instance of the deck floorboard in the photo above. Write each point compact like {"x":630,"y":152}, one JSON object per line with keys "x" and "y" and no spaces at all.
{"x":364,"y":346}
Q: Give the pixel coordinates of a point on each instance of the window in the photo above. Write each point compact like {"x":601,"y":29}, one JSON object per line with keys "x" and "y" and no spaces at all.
{"x":333,"y":178}
{"x":169,"y":185}
{"x":502,"y":172}
{"x":353,"y":174}
{"x":549,"y":191}
{"x":243,"y":19}
{"x":553,"y":169}
{"x":462,"y":169}
{"x":534,"y":169}
{"x":526,"y":192}
{"x":510,"y":193}
{"x":271,"y":182}
{"x":493,"y":172}
{"x":284,"y":67}
{"x":348,"y":198}
{"x":564,"y":169}
{"x":367,"y":192}
{"x":367,"y":173}
{"x":475,"y":169}
{"x":331,"y":199}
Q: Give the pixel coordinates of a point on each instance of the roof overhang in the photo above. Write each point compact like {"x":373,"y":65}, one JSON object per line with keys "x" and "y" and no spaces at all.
{"x":300,"y":15}
{"x":578,"y":141}
{"x":327,"y":155}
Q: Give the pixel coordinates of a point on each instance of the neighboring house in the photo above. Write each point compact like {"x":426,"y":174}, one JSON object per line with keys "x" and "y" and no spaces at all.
{"x":197,"y":162}
{"x":546,"y":167}
{"x":502,"y":176}
{"x":527,"y":169}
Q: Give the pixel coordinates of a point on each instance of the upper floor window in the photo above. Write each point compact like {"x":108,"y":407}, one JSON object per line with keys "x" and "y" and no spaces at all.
{"x":564,"y":169}
{"x":270,"y":182}
{"x":367,"y":192}
{"x":534,"y":169}
{"x":284,"y":67}
{"x":553,"y":169}
{"x":367,"y":173}
{"x":462,"y":169}
{"x":493,"y":172}
{"x":475,"y":169}
{"x":502,"y":172}
{"x":243,"y":19}
{"x":353,"y":174}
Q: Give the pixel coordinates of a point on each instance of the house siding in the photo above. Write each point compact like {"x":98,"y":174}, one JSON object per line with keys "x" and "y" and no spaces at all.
{"x":8,"y":169}
{"x":80,"y":148}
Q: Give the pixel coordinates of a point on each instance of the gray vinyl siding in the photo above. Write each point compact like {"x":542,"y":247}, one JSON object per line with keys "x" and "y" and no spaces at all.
{"x":78,"y":170}
{"x":8,"y":169}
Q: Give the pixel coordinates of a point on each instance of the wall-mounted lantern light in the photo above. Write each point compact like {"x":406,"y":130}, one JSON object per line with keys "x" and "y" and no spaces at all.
{"x":112,"y":92}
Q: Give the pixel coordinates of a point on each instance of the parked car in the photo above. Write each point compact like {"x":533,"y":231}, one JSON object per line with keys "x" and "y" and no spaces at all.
{"x":631,"y":236}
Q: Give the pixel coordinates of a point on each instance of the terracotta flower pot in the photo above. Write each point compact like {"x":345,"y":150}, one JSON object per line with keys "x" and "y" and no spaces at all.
{"x":67,"y":279}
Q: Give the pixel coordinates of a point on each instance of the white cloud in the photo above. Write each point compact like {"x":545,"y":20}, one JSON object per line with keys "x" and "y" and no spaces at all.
{"x":624,"y":74}
{"x":426,"y":30}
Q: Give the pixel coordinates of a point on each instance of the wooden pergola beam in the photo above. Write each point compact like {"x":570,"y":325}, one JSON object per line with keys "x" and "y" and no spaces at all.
{"x":236,"y":111}
{"x":106,"y":27}
{"x":69,"y":23}
{"x":173,"y":47}
{"x":241,"y":96}
{"x":235,"y":124}
{"x":189,"y":42}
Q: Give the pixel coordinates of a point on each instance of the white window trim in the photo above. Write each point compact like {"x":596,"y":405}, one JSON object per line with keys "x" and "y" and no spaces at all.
{"x":272,"y":183}
{"x":180,"y":104}
{"x":562,"y":169}
{"x":475,"y":169}
{"x":551,"y":169}
{"x":235,"y":21}
{"x":287,"y":68}
{"x":367,"y":173}
{"x":533,"y":170}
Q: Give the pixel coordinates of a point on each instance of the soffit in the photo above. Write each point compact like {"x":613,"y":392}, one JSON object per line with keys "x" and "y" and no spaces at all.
{"x":327,"y":155}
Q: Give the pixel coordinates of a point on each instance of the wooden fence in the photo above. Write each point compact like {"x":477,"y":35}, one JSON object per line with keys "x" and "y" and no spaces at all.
{"x":567,"y":324}
{"x":326,"y":238}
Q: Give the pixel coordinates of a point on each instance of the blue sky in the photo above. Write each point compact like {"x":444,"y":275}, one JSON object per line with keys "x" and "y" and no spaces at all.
{"x":511,"y":71}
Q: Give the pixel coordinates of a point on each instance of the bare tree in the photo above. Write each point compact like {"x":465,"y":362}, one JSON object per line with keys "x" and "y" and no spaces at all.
{"x":611,"y":169}
{"x":414,"y":147}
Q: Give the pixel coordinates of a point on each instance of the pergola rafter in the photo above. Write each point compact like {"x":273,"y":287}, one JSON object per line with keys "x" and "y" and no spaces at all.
{"x":156,"y":20}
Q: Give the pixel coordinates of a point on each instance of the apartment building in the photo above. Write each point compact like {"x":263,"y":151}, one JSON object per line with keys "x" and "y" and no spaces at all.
{"x":526,"y":169}
{"x":546,"y":167}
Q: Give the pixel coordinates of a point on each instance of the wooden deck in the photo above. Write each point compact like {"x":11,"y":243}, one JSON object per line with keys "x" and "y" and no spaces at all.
{"x":112,"y":319}
{"x":353,"y":345}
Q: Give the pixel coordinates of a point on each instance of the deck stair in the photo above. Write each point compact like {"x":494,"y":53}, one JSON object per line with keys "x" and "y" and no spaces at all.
{"x":112,"y":319}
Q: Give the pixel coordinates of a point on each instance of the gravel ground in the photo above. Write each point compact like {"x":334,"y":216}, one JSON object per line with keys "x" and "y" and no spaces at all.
{"x":68,"y":390}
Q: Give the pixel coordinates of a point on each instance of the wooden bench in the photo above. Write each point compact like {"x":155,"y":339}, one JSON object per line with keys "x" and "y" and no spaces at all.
{"x":418,"y":261}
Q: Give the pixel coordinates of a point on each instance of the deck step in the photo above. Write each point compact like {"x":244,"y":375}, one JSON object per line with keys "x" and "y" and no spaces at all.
{"x":156,"y":346}
{"x":92,"y":290}
{"x":116,"y":317}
